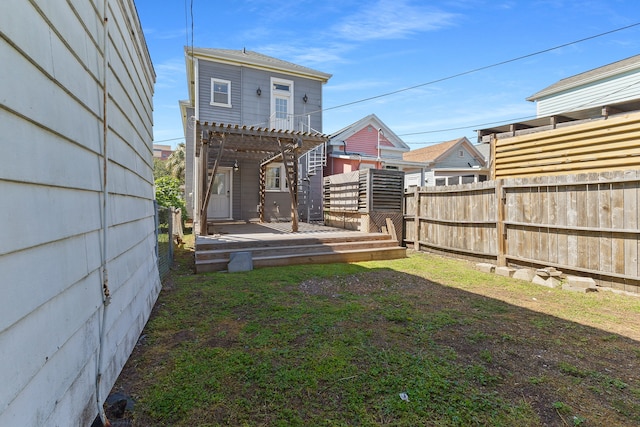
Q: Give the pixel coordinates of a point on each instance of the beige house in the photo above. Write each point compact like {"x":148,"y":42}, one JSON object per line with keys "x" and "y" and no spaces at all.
{"x":448,"y":163}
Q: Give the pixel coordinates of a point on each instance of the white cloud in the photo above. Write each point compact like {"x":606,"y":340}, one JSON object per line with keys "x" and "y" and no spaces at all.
{"x":170,"y":73}
{"x":391,"y":19}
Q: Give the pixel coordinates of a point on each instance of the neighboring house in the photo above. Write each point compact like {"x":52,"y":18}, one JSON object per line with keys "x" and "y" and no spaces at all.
{"x":593,"y":95}
{"x":608,"y":85}
{"x":585,"y":123}
{"x":367,"y":143}
{"x":77,"y":229}
{"x":448,"y":163}
{"x":254,"y":116}
{"x":162,"y":152}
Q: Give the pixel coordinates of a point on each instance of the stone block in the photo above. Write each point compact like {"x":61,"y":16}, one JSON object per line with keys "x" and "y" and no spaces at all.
{"x":524,"y":274}
{"x":240,"y":261}
{"x":550,"y":282}
{"x":581,"y":282}
{"x":505,"y":271}
{"x":548,"y":272}
{"x":486,"y":267}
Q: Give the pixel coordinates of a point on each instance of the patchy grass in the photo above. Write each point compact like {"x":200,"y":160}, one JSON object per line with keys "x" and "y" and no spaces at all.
{"x":336,"y":345}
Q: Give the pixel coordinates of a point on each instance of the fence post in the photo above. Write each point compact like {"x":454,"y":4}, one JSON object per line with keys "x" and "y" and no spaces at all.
{"x":501,"y":234}
{"x":416,"y":220}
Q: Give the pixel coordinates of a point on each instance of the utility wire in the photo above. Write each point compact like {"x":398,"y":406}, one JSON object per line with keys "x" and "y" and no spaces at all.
{"x":486,"y":67}
{"x":503,"y":122}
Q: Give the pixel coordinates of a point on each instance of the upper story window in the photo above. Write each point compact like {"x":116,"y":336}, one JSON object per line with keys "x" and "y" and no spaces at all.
{"x":221,"y":92}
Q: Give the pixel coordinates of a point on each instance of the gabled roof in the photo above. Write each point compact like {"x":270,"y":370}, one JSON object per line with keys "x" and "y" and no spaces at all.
{"x":374,"y":121}
{"x":256,"y":60}
{"x":613,"y":69}
{"x":437,"y":152}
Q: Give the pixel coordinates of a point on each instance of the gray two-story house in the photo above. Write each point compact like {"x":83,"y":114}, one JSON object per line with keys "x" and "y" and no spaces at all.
{"x":254,"y":142}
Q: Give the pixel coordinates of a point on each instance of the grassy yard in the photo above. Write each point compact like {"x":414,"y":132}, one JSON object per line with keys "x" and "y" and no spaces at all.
{"x":422,"y":341}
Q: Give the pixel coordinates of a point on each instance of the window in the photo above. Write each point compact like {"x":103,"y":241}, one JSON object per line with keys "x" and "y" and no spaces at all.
{"x":221,"y":92}
{"x":275,"y":179}
{"x":460,"y":153}
{"x":285,"y":87}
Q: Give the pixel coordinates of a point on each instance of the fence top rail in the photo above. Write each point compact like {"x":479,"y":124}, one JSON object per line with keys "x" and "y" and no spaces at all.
{"x":425,"y":190}
{"x":572,"y":183}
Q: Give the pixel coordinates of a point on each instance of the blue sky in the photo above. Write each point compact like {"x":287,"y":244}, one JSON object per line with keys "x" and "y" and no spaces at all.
{"x":380,"y":46}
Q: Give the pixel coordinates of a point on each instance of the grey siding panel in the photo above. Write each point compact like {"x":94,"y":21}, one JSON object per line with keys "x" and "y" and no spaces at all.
{"x":247,"y":107}
{"x":52,"y":259}
{"x":256,"y":108}
{"x":211,"y":113}
{"x":246,"y":191}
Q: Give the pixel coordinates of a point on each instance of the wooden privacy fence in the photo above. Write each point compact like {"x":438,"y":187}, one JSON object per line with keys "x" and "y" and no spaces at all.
{"x":594,"y":146}
{"x":586,"y":224}
{"x":364,"y":200}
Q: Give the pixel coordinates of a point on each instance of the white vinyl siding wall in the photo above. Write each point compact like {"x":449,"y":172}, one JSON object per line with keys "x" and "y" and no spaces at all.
{"x":623,"y":87}
{"x":53,"y":222}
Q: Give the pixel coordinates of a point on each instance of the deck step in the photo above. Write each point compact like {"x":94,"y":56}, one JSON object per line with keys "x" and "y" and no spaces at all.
{"x":261,"y":251}
{"x":220,"y":244}
{"x":326,"y":257}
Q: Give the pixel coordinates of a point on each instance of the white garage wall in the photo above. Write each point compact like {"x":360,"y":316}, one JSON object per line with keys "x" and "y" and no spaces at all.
{"x":65,"y":231}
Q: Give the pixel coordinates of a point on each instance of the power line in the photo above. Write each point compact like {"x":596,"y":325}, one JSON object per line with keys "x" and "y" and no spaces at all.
{"x":475,"y":70}
{"x":515,"y":120}
{"x":167,"y":140}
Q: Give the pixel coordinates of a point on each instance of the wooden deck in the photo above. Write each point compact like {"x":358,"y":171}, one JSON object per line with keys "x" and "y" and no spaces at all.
{"x":273,"y":244}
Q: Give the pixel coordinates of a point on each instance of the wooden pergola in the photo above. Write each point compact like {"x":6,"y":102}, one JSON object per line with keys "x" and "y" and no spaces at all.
{"x":217,"y":143}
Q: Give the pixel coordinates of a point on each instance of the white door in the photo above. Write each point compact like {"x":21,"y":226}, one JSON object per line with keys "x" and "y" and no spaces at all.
{"x":281,"y":104}
{"x":220,"y":201}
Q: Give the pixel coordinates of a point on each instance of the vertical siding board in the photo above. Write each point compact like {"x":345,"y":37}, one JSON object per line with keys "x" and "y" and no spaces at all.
{"x":581,"y":220}
{"x":563,"y":190}
{"x":534,"y":202}
{"x":630,"y":223}
{"x":543,"y":215}
{"x":617,"y":222}
{"x":508,"y":216}
{"x":572,"y":220}
{"x":552,"y":216}
{"x":593,"y":246}
{"x":605,"y":221}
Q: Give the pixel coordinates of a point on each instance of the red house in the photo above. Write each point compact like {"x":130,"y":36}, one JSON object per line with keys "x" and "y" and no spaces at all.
{"x":367,"y":143}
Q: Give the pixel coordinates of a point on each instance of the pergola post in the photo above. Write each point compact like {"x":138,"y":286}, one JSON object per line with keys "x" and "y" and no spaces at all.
{"x":207,"y":195}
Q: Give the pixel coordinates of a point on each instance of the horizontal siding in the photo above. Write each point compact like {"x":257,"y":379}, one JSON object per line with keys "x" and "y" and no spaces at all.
{"x":616,"y":89}
{"x":365,"y":141}
{"x":51,"y":245}
{"x":210,"y":113}
{"x":598,"y":146}
{"x":453,"y":160}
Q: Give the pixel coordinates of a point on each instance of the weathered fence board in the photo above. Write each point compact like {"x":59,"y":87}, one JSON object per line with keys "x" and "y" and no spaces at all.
{"x":585,"y":223}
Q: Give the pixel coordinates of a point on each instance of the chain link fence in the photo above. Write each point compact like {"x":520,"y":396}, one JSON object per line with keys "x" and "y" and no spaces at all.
{"x":164,"y":239}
